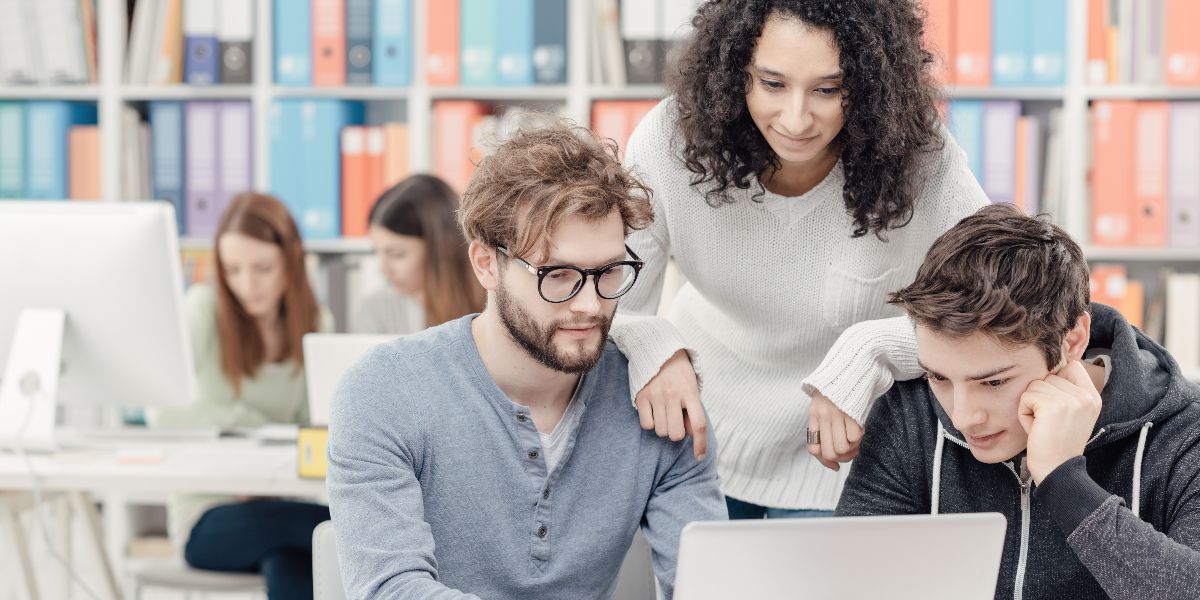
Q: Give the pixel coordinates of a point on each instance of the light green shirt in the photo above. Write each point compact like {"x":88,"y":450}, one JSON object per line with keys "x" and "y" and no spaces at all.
{"x":276,"y":394}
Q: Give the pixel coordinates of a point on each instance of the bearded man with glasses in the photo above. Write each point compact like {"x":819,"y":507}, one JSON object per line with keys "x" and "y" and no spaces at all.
{"x":497,"y":456}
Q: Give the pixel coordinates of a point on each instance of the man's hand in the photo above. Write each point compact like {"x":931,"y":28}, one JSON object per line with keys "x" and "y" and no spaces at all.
{"x":670,"y":404}
{"x":1058,"y":414}
{"x":840,"y":434}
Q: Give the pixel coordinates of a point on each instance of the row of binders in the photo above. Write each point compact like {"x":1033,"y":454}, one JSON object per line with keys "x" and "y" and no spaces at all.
{"x":1146,"y":42}
{"x":1016,"y":158}
{"x":469,"y":42}
{"x":1145,"y":173}
{"x":464,"y":130}
{"x":49,"y":149}
{"x":197,"y":155}
{"x":632,"y":41}
{"x":200,"y":42}
{"x":324,"y":164}
{"x":998,"y":42}
{"x":47,"y":41}
{"x":1163,"y":306}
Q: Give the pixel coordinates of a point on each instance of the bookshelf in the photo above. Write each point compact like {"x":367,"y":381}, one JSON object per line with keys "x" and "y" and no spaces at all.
{"x":414,"y":104}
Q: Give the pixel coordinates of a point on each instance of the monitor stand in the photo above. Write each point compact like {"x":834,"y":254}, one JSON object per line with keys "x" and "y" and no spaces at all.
{"x":29,"y":390}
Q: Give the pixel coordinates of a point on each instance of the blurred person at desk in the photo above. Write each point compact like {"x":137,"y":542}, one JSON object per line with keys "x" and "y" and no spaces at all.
{"x":246,"y":331}
{"x":423,"y":255}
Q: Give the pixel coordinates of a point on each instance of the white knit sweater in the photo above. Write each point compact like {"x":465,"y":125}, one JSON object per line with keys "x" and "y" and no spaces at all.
{"x":770,"y":287}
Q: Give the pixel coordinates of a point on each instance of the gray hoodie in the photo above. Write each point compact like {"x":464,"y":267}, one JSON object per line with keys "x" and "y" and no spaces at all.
{"x":1122,"y":521}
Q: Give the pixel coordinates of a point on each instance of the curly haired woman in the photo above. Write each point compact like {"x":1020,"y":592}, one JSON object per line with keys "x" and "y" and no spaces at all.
{"x":799,"y":171}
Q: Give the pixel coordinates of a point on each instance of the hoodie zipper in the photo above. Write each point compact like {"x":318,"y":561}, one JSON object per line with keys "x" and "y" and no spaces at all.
{"x":1022,"y":480}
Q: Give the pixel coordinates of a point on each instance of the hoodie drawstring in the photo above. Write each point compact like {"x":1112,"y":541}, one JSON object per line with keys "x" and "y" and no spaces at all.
{"x":937,"y":468}
{"x":1136,"y":500}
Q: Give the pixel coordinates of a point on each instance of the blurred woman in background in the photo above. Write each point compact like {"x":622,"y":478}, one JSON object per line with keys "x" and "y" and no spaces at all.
{"x":246,"y":331}
{"x":423,"y":256}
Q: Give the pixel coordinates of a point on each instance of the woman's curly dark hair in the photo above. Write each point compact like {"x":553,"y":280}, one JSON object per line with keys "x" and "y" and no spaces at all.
{"x":890,"y":100}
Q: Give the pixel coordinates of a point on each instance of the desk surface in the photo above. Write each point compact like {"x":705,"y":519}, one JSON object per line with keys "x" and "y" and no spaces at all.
{"x":238,"y":467}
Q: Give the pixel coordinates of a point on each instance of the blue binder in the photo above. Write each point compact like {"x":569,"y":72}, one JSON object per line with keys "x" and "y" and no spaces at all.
{"x":1047,"y":41}
{"x":1010,"y":43}
{"x":305,"y":145}
{"x":480,"y":30}
{"x":293,"y":42}
{"x":358,"y":42}
{"x":47,"y":124}
{"x":12,"y":150}
{"x":966,"y":125}
{"x":166,"y":157}
{"x":550,"y":41}
{"x":514,"y":44}
{"x":392,"y":43}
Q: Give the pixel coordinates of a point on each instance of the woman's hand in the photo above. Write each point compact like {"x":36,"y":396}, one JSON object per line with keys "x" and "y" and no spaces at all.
{"x":670,"y":404}
{"x":839,"y":435}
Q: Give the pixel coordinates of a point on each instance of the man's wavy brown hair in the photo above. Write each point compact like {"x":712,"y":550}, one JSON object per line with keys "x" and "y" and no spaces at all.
{"x":1020,"y":279}
{"x":890,"y":100}
{"x":522,"y":191}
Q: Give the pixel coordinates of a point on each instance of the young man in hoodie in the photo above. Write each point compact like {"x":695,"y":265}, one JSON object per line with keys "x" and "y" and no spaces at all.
{"x":1059,"y":415}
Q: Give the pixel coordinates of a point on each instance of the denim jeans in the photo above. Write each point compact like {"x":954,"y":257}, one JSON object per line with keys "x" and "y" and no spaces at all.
{"x":271,"y":537}
{"x":745,"y":510}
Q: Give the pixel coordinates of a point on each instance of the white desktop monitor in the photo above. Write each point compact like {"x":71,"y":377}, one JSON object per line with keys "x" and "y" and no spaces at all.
{"x":922,"y":557}
{"x":94,"y":290}
{"x":326,"y":357}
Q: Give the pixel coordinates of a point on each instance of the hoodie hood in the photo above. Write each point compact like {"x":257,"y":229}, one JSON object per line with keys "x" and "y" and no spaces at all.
{"x":1138,"y":366}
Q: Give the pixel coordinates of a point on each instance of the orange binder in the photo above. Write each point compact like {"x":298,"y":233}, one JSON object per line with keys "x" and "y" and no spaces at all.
{"x":610,"y":120}
{"x":441,"y":49}
{"x":395,"y":157}
{"x":973,"y":42}
{"x":1025,"y":129}
{"x":1113,"y":123}
{"x":1150,"y":182}
{"x":1097,"y":42}
{"x":939,"y":37}
{"x":1182,"y":45}
{"x":329,"y":42}
{"x":354,"y":181}
{"x":83,"y":162}
{"x":455,"y":123}
{"x":373,"y":182}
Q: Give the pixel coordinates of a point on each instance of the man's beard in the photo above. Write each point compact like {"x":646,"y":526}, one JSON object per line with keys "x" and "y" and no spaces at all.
{"x":539,"y":341}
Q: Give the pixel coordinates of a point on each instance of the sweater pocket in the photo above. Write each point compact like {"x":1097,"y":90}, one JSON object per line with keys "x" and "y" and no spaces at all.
{"x":848,"y":298}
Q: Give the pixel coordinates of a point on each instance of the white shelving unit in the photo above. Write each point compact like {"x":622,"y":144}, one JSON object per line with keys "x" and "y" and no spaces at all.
{"x":415,"y":103}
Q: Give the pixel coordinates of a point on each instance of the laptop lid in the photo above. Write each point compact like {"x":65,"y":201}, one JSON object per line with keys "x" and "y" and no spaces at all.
{"x":922,"y":557}
{"x":326,"y":357}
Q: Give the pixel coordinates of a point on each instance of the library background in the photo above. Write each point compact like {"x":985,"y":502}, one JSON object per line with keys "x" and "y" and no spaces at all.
{"x":1088,"y":110}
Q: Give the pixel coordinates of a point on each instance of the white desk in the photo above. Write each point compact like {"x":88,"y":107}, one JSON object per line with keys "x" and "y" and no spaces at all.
{"x":113,"y":470}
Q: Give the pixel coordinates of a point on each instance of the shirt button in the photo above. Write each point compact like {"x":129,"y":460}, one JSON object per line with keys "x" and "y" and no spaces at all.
{"x":533,"y":455}
{"x":541,"y":531}
{"x":522,"y":417}
{"x":545,"y":493}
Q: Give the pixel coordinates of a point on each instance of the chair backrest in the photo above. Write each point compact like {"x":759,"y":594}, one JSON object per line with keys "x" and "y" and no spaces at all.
{"x":327,"y":574}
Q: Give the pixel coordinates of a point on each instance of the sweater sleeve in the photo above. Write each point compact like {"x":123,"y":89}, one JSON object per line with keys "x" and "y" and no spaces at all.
{"x":864,"y":362}
{"x":646,"y":340}
{"x":688,"y":492}
{"x":880,"y":481}
{"x":1127,"y":556}
{"x":385,"y":544}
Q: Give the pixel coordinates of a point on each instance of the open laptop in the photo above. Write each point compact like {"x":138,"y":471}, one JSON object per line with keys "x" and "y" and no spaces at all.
{"x":898,"y":557}
{"x":326,"y":357}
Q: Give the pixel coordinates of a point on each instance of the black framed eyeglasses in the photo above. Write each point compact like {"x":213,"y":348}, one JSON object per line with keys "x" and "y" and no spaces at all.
{"x":559,"y":283}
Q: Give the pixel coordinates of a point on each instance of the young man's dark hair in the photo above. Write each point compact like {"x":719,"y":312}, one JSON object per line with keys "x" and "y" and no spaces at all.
{"x":1063,"y":417}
